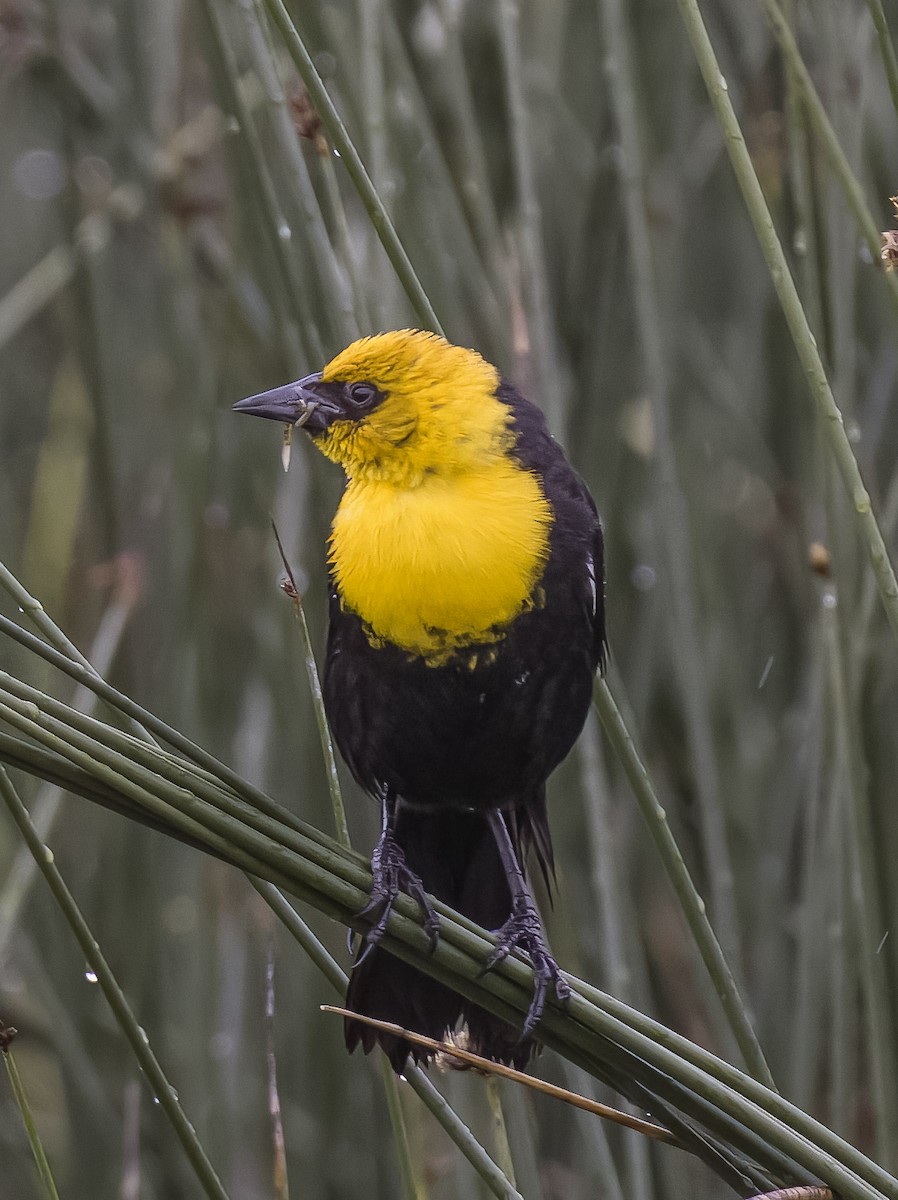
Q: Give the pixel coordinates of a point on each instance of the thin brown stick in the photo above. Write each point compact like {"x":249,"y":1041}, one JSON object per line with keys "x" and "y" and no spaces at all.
{"x":538,"y":1085}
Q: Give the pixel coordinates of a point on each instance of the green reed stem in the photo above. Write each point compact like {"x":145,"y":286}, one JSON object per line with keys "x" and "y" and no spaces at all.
{"x":336,"y":131}
{"x":690,"y":901}
{"x":886,"y":48}
{"x":867,"y":224}
{"x":34,"y":1139}
{"x":135,"y":1035}
{"x":586,"y":1028}
{"x":675,"y":541}
{"x":866,"y":526}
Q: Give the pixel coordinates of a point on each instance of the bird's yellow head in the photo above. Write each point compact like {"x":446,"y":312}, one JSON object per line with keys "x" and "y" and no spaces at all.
{"x":441,"y":534}
{"x":398,"y":407}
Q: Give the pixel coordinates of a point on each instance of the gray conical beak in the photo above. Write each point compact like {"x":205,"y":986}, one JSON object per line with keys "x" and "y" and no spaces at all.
{"x":292,"y":404}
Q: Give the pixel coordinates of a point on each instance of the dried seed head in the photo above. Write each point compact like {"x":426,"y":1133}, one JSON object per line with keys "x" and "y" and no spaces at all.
{"x":819,"y":559}
{"x":889,"y":251}
{"x":306,"y":120}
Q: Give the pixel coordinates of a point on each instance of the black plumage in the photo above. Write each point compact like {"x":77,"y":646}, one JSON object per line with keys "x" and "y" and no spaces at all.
{"x":482,"y":731}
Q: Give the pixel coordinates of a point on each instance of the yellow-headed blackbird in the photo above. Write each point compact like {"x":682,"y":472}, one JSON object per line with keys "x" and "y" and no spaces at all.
{"x":466,"y":624}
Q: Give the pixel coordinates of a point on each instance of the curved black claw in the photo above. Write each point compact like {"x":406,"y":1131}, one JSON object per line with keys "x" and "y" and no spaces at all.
{"x":393,"y":875}
{"x":523,"y":931}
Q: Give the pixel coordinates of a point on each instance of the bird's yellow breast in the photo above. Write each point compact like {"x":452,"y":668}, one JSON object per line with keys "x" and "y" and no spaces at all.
{"x":439,"y":566}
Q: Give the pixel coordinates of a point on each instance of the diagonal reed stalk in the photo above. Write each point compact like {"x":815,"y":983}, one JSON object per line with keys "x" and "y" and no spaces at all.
{"x":721,"y":974}
{"x":207,"y":769}
{"x":48,"y":1183}
{"x":191,"y":796}
{"x":747,"y":1125}
{"x":830,"y":416}
{"x":867,"y":225}
{"x":677,"y":552}
{"x":336,"y":131}
{"x":137,"y":1037}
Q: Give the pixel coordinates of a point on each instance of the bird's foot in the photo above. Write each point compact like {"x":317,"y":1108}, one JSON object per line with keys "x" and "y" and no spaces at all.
{"x":523,"y":931}
{"x":393,"y":875}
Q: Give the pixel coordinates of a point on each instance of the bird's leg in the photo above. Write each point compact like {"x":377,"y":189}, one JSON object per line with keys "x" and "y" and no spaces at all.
{"x":523,"y":930}
{"x":392,"y":874}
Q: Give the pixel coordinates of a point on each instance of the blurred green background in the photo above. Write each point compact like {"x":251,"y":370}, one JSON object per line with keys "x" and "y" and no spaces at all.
{"x":177,"y":233}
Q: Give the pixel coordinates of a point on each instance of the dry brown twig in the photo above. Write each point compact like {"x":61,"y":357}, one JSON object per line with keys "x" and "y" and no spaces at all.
{"x":539,"y":1085}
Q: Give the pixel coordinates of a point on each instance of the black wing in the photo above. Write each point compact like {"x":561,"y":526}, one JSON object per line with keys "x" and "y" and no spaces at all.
{"x":596,"y":568}
{"x":578,"y":544}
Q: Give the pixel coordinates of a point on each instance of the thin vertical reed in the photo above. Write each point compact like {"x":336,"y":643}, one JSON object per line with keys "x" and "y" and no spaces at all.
{"x":673,"y":537}
{"x":338,"y":135}
{"x":866,"y":526}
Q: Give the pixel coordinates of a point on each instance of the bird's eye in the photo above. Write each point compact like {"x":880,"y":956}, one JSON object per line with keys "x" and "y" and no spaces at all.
{"x":362,"y":393}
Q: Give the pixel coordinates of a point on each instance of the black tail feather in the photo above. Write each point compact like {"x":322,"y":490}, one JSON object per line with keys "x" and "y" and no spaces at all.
{"x":529,"y":830}
{"x":389,"y":989}
{"x":455,"y":854}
